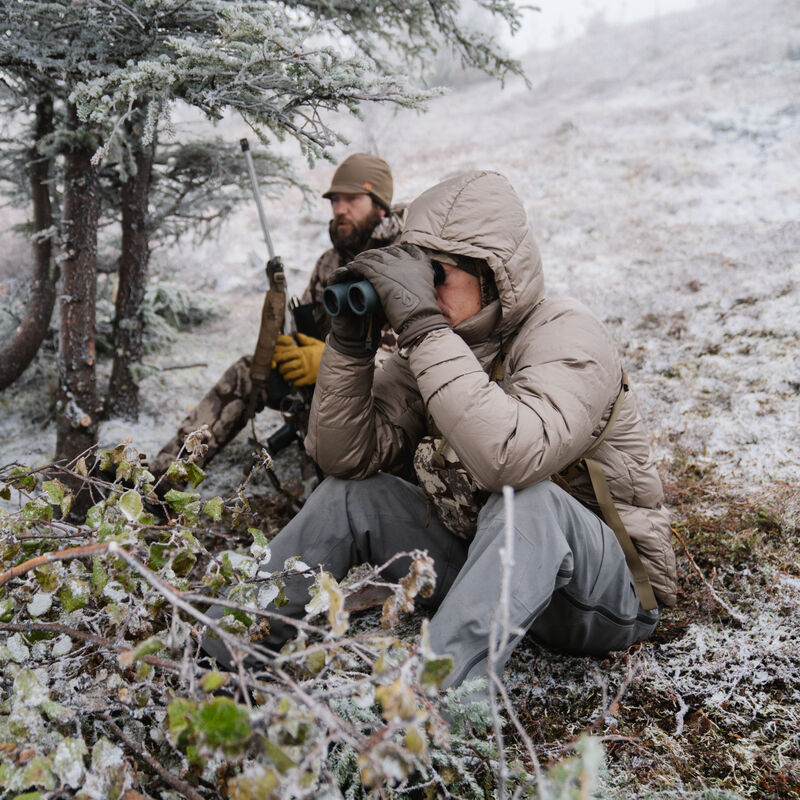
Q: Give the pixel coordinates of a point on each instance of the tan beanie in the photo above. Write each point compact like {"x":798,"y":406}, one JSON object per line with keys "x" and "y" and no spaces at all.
{"x":362,"y":173}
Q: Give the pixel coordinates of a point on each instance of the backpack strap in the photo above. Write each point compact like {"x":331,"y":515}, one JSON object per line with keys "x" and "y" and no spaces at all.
{"x":610,"y":514}
{"x":606,"y":503}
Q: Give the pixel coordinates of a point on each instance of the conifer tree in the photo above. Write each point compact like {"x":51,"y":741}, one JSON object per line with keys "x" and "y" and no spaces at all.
{"x":114,"y":70}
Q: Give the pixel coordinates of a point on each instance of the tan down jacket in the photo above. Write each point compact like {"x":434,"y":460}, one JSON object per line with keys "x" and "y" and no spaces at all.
{"x":562,"y":376}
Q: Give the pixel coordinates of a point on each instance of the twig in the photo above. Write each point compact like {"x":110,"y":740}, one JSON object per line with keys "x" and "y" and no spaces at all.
{"x":49,"y":558}
{"x":740,"y":618}
{"x":174,"y":782}
{"x":183,"y":366}
{"x":502,"y":618}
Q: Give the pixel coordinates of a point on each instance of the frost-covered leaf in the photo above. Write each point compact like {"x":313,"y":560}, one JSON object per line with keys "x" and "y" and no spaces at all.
{"x":40,"y":604}
{"x":260,"y":547}
{"x":327,"y":596}
{"x":54,"y":491}
{"x":255,"y":781}
{"x":38,"y":509}
{"x":37,"y":772}
{"x":109,"y":777}
{"x":131,"y":505}
{"x":99,"y":575}
{"x":62,"y":645}
{"x":6,"y":609}
{"x":267,"y":593}
{"x":21,"y":478}
{"x":28,"y":690}
{"x":213,"y":508}
{"x":67,"y":761}
{"x":176,"y":472}
{"x":17,"y":648}
{"x":74,"y":594}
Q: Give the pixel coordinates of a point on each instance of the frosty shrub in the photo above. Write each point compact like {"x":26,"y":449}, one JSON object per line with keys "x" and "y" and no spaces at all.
{"x":106,"y":690}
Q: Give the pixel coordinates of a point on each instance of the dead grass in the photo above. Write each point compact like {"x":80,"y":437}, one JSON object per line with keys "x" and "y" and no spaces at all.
{"x":710,"y":702}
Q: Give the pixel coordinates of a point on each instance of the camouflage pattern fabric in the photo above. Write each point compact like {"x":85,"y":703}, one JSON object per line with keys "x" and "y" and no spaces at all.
{"x":448,"y":486}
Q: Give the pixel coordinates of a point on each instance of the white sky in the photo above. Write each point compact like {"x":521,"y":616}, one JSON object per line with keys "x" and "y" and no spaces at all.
{"x":560,"y":21}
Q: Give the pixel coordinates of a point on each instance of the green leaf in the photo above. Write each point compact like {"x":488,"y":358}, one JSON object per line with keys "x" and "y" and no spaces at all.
{"x":124,"y":470}
{"x":211,"y":681}
{"x":5,"y":493}
{"x":20,"y":478}
{"x":278,"y":756}
{"x":179,"y":500}
{"x":195,"y":475}
{"x":434,"y":671}
{"x":176,"y":472}
{"x":99,"y":575}
{"x":94,"y":516}
{"x":54,"y":491}
{"x":223,"y":723}
{"x":49,"y":577}
{"x":179,"y":717}
{"x":74,"y":594}
{"x":38,"y":509}
{"x":159,"y":556}
{"x":182,"y":563}
{"x":131,"y":505}
{"x":6,"y":609}
{"x":260,"y":547}
{"x":149,"y":646}
{"x":213,"y":508}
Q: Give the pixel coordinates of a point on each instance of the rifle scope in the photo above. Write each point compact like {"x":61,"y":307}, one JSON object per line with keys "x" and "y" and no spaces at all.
{"x":356,"y":297}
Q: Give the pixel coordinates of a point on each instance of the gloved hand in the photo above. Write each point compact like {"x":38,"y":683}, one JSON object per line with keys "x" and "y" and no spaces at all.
{"x":298,"y":363}
{"x":402,"y":276}
{"x":349,"y":336}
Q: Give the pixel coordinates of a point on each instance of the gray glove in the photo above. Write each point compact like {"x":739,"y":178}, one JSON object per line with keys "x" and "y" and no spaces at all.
{"x":349,"y":336}
{"x":402,"y":276}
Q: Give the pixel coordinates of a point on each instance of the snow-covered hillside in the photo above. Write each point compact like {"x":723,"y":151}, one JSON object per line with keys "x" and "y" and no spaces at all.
{"x":660,"y":167}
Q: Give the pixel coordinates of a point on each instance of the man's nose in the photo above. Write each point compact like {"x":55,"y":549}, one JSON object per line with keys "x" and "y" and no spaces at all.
{"x":340,"y":207}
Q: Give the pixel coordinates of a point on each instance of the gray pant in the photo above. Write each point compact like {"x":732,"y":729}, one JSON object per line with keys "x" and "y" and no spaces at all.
{"x":570,"y":586}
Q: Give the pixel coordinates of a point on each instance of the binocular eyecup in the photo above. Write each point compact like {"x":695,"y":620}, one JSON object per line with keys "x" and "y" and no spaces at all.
{"x":354,"y":297}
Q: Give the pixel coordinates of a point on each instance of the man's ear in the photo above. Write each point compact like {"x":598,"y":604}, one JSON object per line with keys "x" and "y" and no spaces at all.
{"x":381,"y":209}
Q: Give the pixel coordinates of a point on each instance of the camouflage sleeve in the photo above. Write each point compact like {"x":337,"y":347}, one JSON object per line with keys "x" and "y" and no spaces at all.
{"x":326,"y":263}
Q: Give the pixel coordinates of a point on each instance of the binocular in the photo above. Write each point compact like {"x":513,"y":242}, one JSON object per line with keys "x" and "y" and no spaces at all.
{"x":355,"y":297}
{"x":359,"y":298}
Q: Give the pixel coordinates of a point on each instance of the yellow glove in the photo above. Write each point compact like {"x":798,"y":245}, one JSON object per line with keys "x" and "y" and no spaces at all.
{"x":298,"y":363}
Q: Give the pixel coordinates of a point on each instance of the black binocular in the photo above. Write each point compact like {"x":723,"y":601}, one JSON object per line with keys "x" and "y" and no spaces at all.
{"x":355,"y":297}
{"x":359,"y":298}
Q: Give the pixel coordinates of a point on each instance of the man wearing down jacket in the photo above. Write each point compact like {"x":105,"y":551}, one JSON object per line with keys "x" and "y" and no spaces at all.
{"x":493,"y":385}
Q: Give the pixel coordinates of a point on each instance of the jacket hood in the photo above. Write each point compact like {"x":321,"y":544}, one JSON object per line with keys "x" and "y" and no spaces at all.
{"x":479,"y":214}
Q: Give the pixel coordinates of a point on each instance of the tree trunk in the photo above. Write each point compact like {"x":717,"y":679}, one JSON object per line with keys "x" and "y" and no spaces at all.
{"x":76,"y":418}
{"x":123,"y":389}
{"x":27,"y":338}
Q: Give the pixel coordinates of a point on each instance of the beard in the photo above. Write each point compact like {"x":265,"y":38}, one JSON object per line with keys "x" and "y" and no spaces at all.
{"x":351,"y":239}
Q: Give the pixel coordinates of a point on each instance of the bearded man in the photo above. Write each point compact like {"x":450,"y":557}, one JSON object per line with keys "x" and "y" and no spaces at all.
{"x":493,"y":385}
{"x":363,"y":218}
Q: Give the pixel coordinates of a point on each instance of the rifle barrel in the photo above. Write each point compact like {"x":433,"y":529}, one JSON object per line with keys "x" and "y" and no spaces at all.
{"x":257,"y":195}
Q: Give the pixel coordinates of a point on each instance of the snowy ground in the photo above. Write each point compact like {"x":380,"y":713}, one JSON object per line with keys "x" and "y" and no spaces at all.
{"x":660,"y":167}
